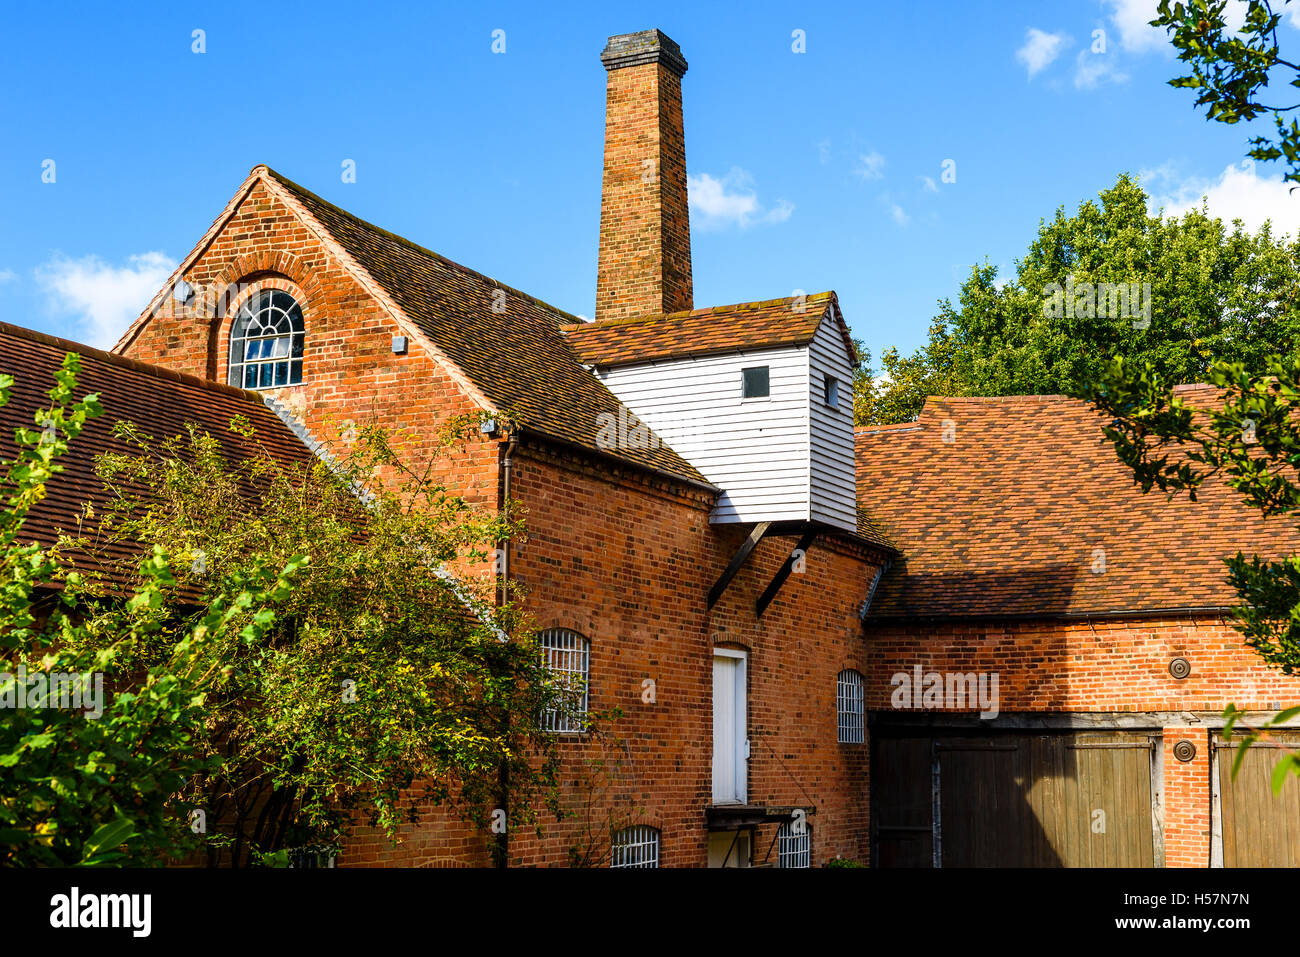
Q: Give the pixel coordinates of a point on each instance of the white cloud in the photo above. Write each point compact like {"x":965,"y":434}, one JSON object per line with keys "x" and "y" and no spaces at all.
{"x":7,"y":275}
{"x":1091,"y":69}
{"x":101,"y":298}
{"x":896,"y":212}
{"x":824,"y":151}
{"x":1040,"y":49}
{"x":1238,"y":193}
{"x":1136,"y":35}
{"x":870,"y":166}
{"x":930,"y":185}
{"x":1132,"y":18}
{"x":730,"y":200}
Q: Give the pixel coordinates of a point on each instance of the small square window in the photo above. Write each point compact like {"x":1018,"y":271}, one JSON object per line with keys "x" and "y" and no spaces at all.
{"x":831,"y":391}
{"x":754,"y":383}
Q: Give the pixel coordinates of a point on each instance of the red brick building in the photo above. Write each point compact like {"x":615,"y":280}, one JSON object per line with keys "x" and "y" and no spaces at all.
{"x":719,"y":613}
{"x":710,"y":544}
{"x":1027,"y":552}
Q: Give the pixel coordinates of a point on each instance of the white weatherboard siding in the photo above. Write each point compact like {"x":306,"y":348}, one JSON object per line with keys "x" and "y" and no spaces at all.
{"x":834,"y":485}
{"x":757,"y":450}
{"x":787,"y":457}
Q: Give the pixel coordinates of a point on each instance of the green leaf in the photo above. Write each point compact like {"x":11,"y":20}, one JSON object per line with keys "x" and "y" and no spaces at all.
{"x":1284,"y":716}
{"x":1240,"y":755}
{"x":1286,"y":765}
{"x":107,"y":837}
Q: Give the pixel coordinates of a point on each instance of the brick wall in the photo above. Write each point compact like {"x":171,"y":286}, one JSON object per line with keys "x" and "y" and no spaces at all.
{"x":1187,"y":799}
{"x":1104,"y":665}
{"x":630,"y":569}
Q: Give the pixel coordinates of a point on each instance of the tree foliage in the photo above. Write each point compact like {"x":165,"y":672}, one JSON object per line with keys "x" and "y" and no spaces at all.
{"x":1230,"y":69}
{"x":81,"y":788}
{"x":286,"y":651}
{"x":385,"y":685}
{"x":1197,"y":292}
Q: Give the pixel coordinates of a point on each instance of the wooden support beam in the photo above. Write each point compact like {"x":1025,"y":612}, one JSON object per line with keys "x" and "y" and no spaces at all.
{"x":748,"y":546}
{"x":765,"y":599}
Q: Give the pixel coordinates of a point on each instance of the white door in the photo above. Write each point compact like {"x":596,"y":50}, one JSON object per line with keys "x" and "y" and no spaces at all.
{"x":730,"y":729}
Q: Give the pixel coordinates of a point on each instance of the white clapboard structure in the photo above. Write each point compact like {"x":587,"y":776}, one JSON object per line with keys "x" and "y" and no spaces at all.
{"x":757,"y":396}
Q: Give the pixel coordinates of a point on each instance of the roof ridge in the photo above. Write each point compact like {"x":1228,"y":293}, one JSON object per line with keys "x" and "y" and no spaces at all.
{"x":125,"y":362}
{"x":887,"y":427}
{"x":1039,"y":397}
{"x":691,"y":313}
{"x":424,"y":250}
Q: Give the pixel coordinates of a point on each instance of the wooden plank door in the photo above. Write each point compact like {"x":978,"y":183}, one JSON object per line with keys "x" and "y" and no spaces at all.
{"x":1260,"y":828}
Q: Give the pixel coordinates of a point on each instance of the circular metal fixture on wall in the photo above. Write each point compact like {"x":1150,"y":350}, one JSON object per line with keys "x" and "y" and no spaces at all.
{"x":1184,"y":750}
{"x":1180,"y":668}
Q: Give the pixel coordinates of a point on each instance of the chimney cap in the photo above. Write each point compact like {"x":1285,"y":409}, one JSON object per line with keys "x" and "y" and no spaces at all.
{"x":648,"y":46}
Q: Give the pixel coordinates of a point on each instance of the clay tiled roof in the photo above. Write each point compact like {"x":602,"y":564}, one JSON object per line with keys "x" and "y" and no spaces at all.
{"x":158,"y":400}
{"x":1006,"y":520}
{"x":870,"y":531}
{"x":745,"y":326}
{"x":517,"y":357}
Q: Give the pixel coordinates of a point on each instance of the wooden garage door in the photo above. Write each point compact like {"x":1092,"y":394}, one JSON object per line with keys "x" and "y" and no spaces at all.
{"x":1260,"y":828}
{"x":901,"y":801}
{"x":1067,"y":799}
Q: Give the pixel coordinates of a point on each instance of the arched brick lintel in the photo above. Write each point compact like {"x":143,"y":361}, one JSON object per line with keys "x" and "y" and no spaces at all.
{"x":256,"y":269}
{"x":267,"y":263}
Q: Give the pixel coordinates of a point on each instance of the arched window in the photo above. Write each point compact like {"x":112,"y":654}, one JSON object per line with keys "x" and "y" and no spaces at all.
{"x":266,"y":342}
{"x":849,"y":708}
{"x":636,"y":846}
{"x":566,"y":655}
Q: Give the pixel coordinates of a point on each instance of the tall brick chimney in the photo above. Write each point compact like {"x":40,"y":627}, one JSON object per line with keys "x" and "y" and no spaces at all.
{"x":645,"y":233}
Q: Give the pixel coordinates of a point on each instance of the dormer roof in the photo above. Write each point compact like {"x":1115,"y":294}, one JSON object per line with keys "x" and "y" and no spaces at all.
{"x":743,"y":327}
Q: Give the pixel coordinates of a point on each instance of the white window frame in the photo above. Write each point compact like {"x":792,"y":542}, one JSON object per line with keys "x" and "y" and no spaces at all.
{"x":634,"y":846}
{"x":793,"y":850}
{"x":850,"y":707}
{"x":243,"y":339}
{"x":567,"y":653}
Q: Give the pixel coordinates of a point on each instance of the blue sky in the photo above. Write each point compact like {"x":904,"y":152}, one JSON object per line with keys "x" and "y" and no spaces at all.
{"x":813,"y":170}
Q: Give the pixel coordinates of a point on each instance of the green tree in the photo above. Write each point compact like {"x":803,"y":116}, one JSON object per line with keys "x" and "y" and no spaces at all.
{"x":1231,"y":68}
{"x":89,"y":775}
{"x":1110,"y":279}
{"x":385,"y":684}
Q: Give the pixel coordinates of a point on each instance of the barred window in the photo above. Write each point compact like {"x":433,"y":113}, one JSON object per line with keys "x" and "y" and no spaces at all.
{"x":266,"y":342}
{"x":636,"y":846}
{"x":849,"y":707}
{"x":566,"y":655}
{"x":794,"y":849}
